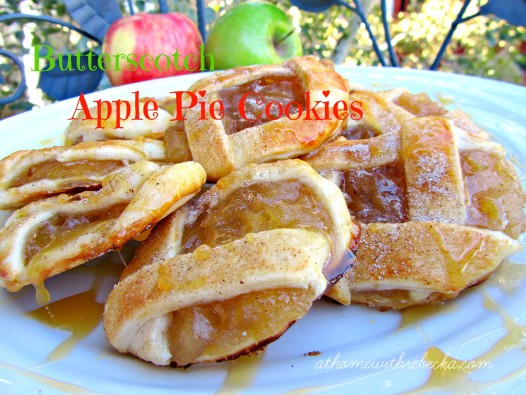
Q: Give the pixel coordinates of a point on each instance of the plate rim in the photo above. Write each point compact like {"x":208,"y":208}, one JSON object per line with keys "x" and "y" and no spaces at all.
{"x":519,"y":90}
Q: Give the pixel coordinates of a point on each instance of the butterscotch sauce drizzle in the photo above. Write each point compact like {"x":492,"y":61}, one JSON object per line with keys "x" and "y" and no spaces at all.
{"x":507,"y":278}
{"x":42,"y":294}
{"x":458,"y":261}
{"x":514,"y":338}
{"x":81,"y":313}
{"x":78,"y":314}
{"x":61,"y":386}
{"x":340,"y":261}
{"x":240,"y":374}
{"x":413,"y":315}
{"x":443,"y":377}
{"x":496,"y":200}
{"x":445,"y":100}
{"x":310,"y":390}
{"x":46,"y":143}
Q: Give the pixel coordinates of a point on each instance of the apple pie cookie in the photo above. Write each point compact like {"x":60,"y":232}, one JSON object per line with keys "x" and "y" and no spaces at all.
{"x":248,"y":133}
{"x":385,"y":111}
{"x":30,"y":175}
{"x":439,"y":210}
{"x":55,"y":234}
{"x":84,"y":128}
{"x":229,"y":272}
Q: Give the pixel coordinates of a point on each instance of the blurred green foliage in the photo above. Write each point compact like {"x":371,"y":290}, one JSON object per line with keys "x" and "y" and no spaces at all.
{"x":484,"y":46}
{"x":18,"y":37}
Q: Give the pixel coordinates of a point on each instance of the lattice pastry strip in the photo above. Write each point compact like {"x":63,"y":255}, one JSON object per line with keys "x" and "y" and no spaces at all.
{"x":231,"y":271}
{"x":56,"y":234}
{"x":409,"y":188}
{"x":234,"y":141}
{"x":420,"y":262}
{"x":30,"y":175}
{"x":384,"y":112}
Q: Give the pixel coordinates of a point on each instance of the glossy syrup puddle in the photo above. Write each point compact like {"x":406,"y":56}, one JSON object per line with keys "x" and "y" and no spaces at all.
{"x":61,"y":386}
{"x":506,"y":279}
{"x":415,"y":314}
{"x":240,"y":374}
{"x":78,"y":314}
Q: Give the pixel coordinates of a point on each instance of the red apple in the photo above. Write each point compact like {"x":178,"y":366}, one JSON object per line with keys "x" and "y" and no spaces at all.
{"x":147,"y":46}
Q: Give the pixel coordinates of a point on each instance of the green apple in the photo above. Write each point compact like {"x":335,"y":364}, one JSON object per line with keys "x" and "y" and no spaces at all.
{"x":254,"y":32}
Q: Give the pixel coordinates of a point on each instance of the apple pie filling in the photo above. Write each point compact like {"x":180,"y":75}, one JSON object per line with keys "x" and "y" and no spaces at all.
{"x":397,"y":298}
{"x":280,"y":89}
{"x":57,"y":229}
{"x":54,"y":170}
{"x":377,"y":194}
{"x":218,"y":328}
{"x":495,"y":195}
{"x":256,"y":208}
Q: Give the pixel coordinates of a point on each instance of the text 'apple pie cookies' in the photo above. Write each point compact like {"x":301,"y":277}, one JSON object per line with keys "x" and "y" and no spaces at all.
{"x":229,"y":272}
{"x":247,"y":133}
{"x":30,"y":175}
{"x":108,"y":126}
{"x":439,"y":208}
{"x":56,"y":234}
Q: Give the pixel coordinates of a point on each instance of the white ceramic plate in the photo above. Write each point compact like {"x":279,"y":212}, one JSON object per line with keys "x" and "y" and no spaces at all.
{"x":487,"y":322}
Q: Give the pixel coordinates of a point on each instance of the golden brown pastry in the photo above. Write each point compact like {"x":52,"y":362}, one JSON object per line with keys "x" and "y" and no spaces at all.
{"x":56,"y":234}
{"x":30,"y":175}
{"x":255,"y":136}
{"x":440,"y":210}
{"x":410,"y":263}
{"x":231,"y":271}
